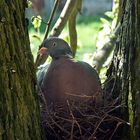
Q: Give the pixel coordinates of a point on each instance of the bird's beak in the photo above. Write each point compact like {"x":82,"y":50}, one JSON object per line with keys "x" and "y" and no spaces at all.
{"x":41,"y":57}
{"x":42,"y":51}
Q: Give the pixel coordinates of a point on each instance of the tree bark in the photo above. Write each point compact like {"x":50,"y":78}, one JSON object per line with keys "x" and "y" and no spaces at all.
{"x":135,"y":68}
{"x":19,"y":109}
{"x":125,"y":67}
{"x":103,"y":53}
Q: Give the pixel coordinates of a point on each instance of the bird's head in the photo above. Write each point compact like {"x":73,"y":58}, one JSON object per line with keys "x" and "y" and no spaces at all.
{"x":55,"y":47}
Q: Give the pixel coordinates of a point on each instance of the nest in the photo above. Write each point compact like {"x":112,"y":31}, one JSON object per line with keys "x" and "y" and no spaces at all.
{"x":78,"y":119}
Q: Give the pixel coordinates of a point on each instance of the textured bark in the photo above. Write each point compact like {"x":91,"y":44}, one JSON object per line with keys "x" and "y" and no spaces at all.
{"x":135,"y":68}
{"x":102,"y":54}
{"x":125,"y":68}
{"x":19,"y":111}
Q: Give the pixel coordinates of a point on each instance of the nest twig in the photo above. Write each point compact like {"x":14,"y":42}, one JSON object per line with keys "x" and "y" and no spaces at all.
{"x":74,"y":120}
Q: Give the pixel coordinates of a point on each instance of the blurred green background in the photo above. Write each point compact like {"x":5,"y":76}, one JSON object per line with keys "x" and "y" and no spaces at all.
{"x":87,"y":31}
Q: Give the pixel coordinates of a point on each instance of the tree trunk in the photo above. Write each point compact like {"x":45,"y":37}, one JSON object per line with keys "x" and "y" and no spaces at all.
{"x":19,"y":109}
{"x":125,"y":68}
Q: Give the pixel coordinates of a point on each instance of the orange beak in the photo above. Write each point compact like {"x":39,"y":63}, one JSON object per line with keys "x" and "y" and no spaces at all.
{"x":42,"y":51}
{"x":41,"y":57}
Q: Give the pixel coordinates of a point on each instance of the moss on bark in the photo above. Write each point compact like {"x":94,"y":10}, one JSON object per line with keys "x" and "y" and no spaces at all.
{"x":19,"y":109}
{"x":125,"y":68}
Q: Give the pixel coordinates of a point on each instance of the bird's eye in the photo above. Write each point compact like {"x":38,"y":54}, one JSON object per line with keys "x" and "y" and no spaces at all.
{"x":54,"y":44}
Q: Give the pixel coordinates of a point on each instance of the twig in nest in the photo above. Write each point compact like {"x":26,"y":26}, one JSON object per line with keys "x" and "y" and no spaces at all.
{"x":81,"y":96}
{"x":95,"y":130}
{"x":103,"y":117}
{"x":82,"y":120}
{"x":74,"y":121}
{"x":87,"y":115}
{"x":118,"y":119}
{"x":68,"y":120}
{"x":118,"y":124}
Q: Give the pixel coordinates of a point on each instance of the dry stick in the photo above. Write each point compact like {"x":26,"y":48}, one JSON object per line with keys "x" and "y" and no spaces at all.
{"x":92,"y":136}
{"x":56,"y":124}
{"x":51,"y":18}
{"x":118,"y":119}
{"x":74,"y":121}
{"x":119,"y":123}
{"x":58,"y":117}
{"x":72,"y":128}
{"x":40,"y":60}
{"x":104,"y":116}
{"x":80,"y":96}
{"x":61,"y":128}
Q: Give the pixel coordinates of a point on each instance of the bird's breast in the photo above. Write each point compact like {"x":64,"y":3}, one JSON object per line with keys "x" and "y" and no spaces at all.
{"x":66,"y":77}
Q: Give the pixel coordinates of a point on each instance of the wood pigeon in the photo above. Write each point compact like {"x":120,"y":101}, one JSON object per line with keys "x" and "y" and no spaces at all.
{"x":65,"y":77}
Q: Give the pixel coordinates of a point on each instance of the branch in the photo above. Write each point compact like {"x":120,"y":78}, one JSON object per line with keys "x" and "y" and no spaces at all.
{"x":39,"y":60}
{"x":72,"y":27}
{"x":101,"y":55}
{"x":51,"y":18}
{"x":64,"y":16}
{"x":59,"y":26}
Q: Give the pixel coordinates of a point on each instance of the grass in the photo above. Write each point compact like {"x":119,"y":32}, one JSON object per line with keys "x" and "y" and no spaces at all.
{"x":87,"y":30}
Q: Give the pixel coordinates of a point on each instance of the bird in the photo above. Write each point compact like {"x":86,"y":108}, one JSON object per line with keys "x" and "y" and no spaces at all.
{"x":66,"y":77}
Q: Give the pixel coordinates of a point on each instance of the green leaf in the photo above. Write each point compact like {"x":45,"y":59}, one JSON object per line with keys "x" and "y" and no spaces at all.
{"x":37,"y":37}
{"x":36,"y":21}
{"x":105,"y":21}
{"x":29,"y":3}
{"x":109,"y":14}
